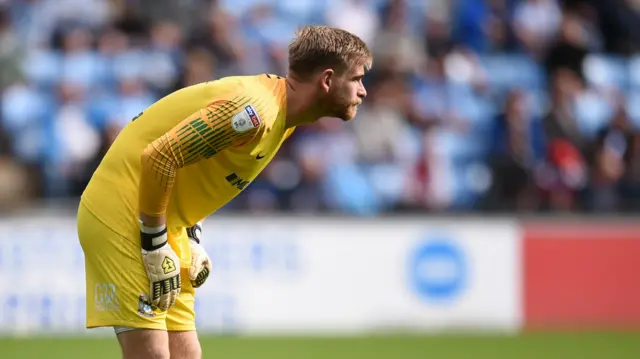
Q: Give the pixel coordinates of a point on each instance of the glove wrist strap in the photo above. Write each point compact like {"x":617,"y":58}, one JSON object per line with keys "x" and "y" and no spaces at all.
{"x":194,"y":232}
{"x":152,"y":238}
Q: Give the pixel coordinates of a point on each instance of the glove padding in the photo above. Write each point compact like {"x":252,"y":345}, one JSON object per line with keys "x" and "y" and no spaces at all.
{"x":200,"y":262}
{"x":163,"y":269}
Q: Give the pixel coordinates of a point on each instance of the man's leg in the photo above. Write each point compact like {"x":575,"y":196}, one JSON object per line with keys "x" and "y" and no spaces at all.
{"x":117,"y":290}
{"x":184,"y":345}
{"x":144,"y":344}
{"x":181,"y":323}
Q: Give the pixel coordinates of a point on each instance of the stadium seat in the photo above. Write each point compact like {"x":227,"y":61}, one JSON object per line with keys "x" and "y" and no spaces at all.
{"x":633,"y":108}
{"x":634,"y":73}
{"x":508,"y":71}
{"x":606,"y":71}
{"x":592,"y":113}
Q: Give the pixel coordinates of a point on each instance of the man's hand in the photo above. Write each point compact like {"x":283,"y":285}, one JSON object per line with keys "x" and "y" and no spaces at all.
{"x":162,"y":265}
{"x":200,"y":263}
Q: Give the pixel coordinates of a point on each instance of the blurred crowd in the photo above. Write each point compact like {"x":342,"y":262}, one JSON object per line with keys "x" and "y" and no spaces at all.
{"x":474,"y":105}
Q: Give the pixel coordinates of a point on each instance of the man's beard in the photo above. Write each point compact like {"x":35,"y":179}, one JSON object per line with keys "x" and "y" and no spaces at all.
{"x":342,"y":108}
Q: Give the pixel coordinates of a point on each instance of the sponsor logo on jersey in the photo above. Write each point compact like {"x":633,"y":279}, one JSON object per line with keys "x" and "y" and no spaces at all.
{"x":253,"y":115}
{"x":246,"y":119}
{"x":236,"y":181}
{"x":105,"y":298}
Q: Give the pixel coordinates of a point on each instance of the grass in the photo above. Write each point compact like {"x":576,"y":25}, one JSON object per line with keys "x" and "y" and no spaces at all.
{"x":591,"y":345}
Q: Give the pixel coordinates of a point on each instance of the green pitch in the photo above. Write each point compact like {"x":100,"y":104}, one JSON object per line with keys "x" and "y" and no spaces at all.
{"x":529,"y":346}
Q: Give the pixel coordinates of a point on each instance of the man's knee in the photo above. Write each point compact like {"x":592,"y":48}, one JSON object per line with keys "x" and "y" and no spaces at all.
{"x":144,"y":344}
{"x":150,"y":352}
{"x":187,"y":352}
{"x":184,"y":345}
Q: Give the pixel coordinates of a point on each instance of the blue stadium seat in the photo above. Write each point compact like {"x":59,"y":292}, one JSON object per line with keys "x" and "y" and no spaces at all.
{"x":606,"y":71}
{"x":592,"y":113}
{"x":507,"y":71}
{"x":42,"y":67}
{"x":538,"y":103}
{"x":634,"y":73}
{"x":633,"y":108}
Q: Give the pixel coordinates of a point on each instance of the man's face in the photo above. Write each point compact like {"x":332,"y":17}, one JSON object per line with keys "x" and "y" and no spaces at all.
{"x":346,"y":93}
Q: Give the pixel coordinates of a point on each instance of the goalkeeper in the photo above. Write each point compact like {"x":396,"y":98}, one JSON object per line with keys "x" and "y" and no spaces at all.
{"x":183,"y":158}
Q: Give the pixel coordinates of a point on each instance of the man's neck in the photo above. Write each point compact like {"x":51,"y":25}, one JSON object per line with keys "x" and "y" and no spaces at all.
{"x":301,"y":107}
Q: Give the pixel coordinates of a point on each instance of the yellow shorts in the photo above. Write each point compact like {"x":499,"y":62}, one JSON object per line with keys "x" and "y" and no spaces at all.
{"x":117,"y":286}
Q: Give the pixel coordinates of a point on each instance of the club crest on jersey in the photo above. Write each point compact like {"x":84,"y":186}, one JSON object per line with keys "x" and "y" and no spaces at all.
{"x":144,"y":307}
{"x":245,"y":120}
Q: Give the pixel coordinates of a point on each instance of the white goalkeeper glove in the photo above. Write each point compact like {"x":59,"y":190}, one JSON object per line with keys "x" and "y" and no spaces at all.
{"x":162,"y":265}
{"x":200,"y":262}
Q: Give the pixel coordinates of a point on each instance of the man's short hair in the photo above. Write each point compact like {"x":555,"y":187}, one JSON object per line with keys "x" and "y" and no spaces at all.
{"x":318,"y":47}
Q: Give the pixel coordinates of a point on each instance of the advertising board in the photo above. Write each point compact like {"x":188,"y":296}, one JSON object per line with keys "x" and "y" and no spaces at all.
{"x":293,"y":276}
{"x":581,"y":275}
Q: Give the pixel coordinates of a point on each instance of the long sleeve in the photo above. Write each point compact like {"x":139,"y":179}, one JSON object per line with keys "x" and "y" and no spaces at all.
{"x":203,"y":134}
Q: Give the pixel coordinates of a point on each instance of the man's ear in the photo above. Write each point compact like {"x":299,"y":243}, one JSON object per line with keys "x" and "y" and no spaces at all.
{"x":326,"y":79}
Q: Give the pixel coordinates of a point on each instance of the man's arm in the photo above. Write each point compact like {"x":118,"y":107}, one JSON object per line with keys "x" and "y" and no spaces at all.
{"x":200,"y":136}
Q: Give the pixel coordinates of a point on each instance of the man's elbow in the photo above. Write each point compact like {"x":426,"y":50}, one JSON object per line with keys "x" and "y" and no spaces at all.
{"x":147,"y":155}
{"x":158,"y":159}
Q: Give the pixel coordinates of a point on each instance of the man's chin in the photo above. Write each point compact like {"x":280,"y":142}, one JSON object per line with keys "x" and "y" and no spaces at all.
{"x":348,"y":115}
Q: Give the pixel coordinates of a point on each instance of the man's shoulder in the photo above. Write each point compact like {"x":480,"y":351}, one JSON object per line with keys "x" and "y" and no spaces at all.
{"x":255,"y":83}
{"x":245,"y":81}
{"x":255,"y":99}
{"x":263,"y":92}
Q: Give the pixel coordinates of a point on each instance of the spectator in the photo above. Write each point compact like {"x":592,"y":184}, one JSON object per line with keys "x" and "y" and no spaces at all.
{"x":11,"y":52}
{"x":484,"y":26}
{"x":570,"y":48}
{"x":630,"y":182}
{"x":356,"y":16}
{"x":619,"y":22}
{"x":517,"y":150}
{"x":535,"y":23}
{"x":221,"y":36}
{"x":562,"y":177}
{"x":560,"y":121}
{"x":608,"y":163}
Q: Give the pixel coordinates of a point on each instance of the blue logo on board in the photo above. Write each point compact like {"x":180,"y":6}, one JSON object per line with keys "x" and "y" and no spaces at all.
{"x":438,"y":269}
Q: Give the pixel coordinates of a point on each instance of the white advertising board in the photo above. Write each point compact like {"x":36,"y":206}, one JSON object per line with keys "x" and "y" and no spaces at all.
{"x":294,"y":276}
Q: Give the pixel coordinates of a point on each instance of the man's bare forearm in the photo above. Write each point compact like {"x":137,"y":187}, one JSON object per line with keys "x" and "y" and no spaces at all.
{"x":152,"y":221}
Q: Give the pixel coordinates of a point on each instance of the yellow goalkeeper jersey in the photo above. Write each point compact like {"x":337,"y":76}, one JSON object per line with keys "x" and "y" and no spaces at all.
{"x":205,"y":144}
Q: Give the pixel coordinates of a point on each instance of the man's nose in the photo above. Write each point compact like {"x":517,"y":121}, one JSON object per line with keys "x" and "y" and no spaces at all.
{"x":362,"y":93}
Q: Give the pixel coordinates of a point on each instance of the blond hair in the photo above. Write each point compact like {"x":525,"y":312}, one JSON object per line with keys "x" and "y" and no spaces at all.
{"x":318,"y":47}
